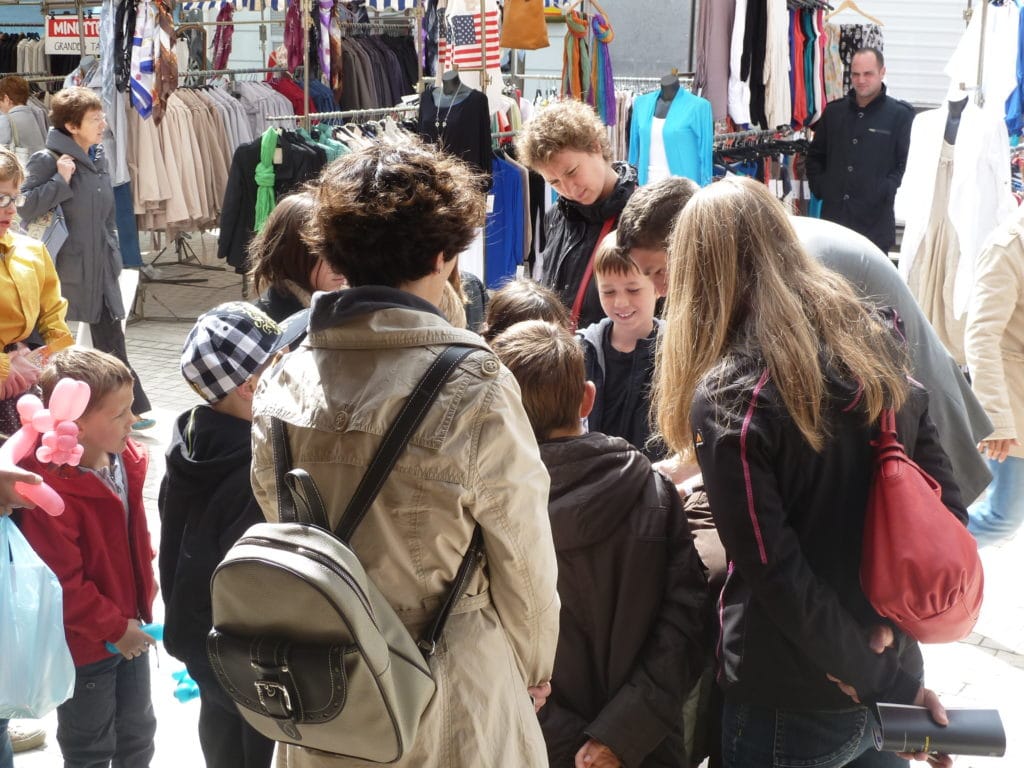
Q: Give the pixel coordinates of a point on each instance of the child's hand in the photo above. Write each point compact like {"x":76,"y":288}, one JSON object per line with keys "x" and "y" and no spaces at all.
{"x":134,"y":642}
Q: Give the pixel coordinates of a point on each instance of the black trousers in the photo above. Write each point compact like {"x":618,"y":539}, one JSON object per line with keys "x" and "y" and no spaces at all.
{"x":228,"y":741}
{"x":108,"y":336}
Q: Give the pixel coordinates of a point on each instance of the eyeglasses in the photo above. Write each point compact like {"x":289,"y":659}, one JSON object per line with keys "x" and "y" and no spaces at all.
{"x":9,"y":200}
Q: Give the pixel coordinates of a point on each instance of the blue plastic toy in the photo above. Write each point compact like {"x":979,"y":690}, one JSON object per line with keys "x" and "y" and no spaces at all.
{"x":187,"y":688}
{"x":156,"y":631}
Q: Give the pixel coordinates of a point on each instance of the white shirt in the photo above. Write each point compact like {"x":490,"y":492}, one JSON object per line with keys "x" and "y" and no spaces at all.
{"x":657,"y":168}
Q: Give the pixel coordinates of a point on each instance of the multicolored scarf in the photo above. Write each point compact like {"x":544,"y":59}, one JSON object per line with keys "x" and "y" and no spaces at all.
{"x":587,"y":63}
{"x":576,"y":67}
{"x":602,"y":91}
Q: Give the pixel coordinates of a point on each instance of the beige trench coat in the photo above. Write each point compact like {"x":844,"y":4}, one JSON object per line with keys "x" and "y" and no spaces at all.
{"x":994,"y":340}
{"x":473,"y":460}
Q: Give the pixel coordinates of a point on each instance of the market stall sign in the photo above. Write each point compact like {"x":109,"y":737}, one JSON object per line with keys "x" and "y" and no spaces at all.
{"x":62,"y":35}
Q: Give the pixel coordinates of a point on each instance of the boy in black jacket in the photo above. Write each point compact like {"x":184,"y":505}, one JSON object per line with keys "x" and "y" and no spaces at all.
{"x":630,"y":645}
{"x":206,"y":503}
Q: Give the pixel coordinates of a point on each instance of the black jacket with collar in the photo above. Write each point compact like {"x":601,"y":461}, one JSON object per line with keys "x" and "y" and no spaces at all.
{"x":633,"y":424}
{"x":633,"y":590}
{"x":572,"y":231}
{"x":300,"y":162}
{"x":791,"y":519}
{"x":856,"y":162}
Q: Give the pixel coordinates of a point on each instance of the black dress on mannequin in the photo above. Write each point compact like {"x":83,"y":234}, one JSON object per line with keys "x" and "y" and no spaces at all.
{"x":956,"y":109}
{"x":669,"y":89}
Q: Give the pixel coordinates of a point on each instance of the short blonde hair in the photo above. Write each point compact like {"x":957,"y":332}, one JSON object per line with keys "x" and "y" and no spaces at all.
{"x":10,"y":167}
{"x":564,"y":125}
{"x":548,"y":364}
{"x":102,"y":372}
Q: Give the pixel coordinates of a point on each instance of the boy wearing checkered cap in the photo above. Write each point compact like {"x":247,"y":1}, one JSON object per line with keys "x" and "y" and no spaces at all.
{"x":206,"y":502}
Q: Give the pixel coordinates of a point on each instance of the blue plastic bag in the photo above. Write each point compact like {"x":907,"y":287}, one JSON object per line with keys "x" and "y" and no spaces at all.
{"x":37,"y":673}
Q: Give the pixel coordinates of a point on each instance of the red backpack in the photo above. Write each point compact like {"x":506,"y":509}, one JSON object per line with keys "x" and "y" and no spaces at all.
{"x":919,"y":565}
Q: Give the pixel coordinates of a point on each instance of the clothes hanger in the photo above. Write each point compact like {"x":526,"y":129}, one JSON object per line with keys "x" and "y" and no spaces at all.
{"x":849,"y":5}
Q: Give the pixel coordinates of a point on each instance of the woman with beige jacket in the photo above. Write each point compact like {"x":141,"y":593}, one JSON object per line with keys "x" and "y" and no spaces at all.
{"x":392,"y":220}
{"x":994,"y":344}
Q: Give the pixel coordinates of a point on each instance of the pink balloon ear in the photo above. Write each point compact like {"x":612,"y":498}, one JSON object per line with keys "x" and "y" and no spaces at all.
{"x":81,"y":401}
{"x":27,"y":407}
{"x":42,"y":420}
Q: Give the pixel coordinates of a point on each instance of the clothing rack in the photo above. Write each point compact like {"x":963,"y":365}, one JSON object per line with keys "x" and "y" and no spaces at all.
{"x":47,"y":79}
{"x":32,"y":24}
{"x":778,"y":133}
{"x":354,"y":114}
{"x":230,"y":72}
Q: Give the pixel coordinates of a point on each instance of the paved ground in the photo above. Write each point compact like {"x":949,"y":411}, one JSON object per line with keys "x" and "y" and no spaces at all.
{"x":986,"y":670}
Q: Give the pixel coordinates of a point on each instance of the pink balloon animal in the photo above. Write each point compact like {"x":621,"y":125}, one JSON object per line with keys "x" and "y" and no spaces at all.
{"x":60,"y":437}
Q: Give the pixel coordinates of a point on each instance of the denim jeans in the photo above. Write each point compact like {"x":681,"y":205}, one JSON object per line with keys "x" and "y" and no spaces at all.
{"x":778,"y":738}
{"x":6,"y":753}
{"x":1001,"y":510}
{"x":109,"y":719}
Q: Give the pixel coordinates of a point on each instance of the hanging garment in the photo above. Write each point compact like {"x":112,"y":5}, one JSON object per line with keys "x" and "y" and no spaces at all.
{"x":462,"y":127}
{"x":979,"y":197}
{"x":1001,"y":41}
{"x":739,"y":88}
{"x":713,"y":52}
{"x":222,"y":37}
{"x":778,"y":99}
{"x":933,"y":274}
{"x":833,"y":64}
{"x":688,"y":136}
{"x":143,"y":59}
{"x":755,"y":41}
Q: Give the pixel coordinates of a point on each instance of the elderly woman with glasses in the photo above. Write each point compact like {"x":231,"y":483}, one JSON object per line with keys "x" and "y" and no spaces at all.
{"x":72,"y":172}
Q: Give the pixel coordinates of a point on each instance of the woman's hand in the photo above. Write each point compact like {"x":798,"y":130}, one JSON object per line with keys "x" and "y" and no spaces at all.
{"x":66,"y":167}
{"x":539,"y":694}
{"x":594,"y":754}
{"x":26,"y":368}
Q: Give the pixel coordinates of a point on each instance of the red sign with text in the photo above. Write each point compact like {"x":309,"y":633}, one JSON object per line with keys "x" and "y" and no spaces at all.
{"x":62,"y":35}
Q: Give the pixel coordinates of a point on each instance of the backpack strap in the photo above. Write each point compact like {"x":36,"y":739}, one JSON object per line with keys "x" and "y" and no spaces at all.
{"x":409,"y":418}
{"x":298,"y":499}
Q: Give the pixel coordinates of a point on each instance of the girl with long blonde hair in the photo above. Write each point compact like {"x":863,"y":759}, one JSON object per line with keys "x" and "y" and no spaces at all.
{"x":773,"y":373}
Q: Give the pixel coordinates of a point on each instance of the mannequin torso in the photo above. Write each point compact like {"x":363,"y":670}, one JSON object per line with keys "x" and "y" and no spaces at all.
{"x":452,"y":90}
{"x":956,"y":109}
{"x":669,"y":89}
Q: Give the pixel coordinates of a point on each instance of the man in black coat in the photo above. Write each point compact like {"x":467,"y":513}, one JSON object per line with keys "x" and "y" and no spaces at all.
{"x":856,"y":161}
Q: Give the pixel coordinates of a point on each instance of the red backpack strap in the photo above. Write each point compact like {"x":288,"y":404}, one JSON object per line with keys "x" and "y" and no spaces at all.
{"x":588,"y":274}
{"x":889,"y":420}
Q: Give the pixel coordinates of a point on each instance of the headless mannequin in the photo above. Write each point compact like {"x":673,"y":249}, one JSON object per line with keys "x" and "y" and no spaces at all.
{"x":956,"y":110}
{"x":669,"y":89}
{"x":452,"y":90}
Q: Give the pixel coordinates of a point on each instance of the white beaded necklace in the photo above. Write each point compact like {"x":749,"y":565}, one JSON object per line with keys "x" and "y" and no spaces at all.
{"x":439,"y":124}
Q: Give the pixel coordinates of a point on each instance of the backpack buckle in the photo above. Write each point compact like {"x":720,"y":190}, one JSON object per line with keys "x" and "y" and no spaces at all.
{"x":274,"y":699}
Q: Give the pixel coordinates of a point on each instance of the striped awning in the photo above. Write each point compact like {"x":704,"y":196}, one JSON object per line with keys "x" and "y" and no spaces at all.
{"x":240,"y":5}
{"x":392,"y":5}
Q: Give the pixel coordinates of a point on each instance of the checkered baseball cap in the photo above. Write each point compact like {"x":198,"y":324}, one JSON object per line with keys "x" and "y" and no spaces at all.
{"x":231,"y":342}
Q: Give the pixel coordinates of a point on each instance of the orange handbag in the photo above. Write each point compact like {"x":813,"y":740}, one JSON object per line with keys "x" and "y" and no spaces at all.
{"x":523,"y":26}
{"x":919,"y":564}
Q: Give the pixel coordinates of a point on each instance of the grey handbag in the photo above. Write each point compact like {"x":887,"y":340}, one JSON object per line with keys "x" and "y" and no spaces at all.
{"x":50,"y":228}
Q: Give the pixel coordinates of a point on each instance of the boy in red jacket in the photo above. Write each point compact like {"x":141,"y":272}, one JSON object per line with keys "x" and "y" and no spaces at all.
{"x":100,"y":550}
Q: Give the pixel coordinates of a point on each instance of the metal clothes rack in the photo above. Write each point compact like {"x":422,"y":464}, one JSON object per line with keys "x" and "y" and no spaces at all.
{"x":230,"y":72}
{"x":32,"y":24}
{"x":348,"y":114}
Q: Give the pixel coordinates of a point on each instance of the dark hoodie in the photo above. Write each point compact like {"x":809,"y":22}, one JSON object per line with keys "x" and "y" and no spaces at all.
{"x":792,"y":520}
{"x":572,"y":232}
{"x":206,"y":502}
{"x":633,"y":591}
{"x":632,"y":420}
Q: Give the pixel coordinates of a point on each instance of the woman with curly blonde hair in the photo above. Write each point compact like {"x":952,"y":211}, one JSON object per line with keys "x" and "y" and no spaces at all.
{"x":393,"y":221}
{"x":774,"y":374}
